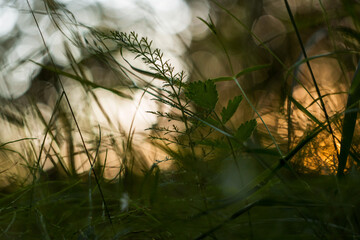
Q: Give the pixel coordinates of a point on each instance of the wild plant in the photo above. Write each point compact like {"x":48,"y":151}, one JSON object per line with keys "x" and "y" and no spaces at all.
{"x":224,"y":179}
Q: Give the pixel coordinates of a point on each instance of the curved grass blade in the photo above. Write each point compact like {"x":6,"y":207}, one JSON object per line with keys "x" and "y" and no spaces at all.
{"x":242,"y":72}
{"x":231,"y":218}
{"x":304,"y":110}
{"x":334,"y":54}
{"x":349,"y":121}
{"x":212,"y":28}
{"x":264,"y":178}
{"x":323,"y":107}
{"x":72,"y":114}
{"x":80,"y":80}
{"x":257,"y":113}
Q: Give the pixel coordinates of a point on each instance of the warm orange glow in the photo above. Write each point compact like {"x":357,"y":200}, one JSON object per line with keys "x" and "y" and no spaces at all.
{"x":319,"y":156}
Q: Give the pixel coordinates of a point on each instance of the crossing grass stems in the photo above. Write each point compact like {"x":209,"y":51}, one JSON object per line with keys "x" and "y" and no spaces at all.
{"x":189,"y":199}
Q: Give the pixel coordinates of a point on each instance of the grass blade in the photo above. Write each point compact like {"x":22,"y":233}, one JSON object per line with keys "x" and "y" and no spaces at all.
{"x":312,"y":74}
{"x":81,"y":80}
{"x":349,"y":122}
{"x":71,"y":111}
{"x":242,"y":72}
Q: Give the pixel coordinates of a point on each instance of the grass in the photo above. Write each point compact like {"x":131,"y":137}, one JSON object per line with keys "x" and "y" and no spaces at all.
{"x":218,"y":177}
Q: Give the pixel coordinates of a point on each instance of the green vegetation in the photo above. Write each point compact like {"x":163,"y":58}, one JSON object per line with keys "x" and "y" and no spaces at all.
{"x":223,"y":176}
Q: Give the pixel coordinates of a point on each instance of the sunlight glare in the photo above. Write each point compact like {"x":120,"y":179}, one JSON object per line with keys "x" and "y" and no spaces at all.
{"x":8,"y":19}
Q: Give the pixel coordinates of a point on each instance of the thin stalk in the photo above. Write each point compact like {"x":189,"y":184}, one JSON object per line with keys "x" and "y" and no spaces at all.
{"x":212,"y":28}
{"x":231,"y":146}
{"x":330,"y":33}
{"x":72,"y":114}
{"x":312,"y":76}
{"x":258,"y":114}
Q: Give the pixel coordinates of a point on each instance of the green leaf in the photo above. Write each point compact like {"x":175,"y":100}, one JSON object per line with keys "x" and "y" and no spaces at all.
{"x":231,"y":108}
{"x":203,"y":94}
{"x":245,"y":130}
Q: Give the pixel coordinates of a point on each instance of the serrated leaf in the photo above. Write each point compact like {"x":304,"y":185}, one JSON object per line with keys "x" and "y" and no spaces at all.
{"x":203,"y":94}
{"x":231,"y":108}
{"x":245,"y":130}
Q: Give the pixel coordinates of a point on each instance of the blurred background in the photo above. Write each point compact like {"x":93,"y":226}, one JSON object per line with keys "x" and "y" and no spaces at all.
{"x":245,"y":34}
